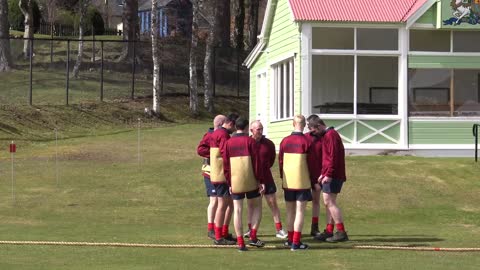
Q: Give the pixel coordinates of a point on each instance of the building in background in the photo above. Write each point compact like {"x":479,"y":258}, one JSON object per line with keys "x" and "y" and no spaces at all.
{"x":389,"y":75}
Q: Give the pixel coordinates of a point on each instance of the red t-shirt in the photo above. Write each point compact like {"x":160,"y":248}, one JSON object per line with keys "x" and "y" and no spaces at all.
{"x":314,"y":156}
{"x":266,"y":156}
{"x":333,"y":155}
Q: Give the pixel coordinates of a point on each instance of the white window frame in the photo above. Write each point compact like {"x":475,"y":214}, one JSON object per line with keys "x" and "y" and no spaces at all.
{"x":289,"y":106}
{"x":355,"y":53}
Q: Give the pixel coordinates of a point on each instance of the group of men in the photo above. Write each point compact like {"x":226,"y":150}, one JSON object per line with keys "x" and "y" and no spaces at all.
{"x":238,"y":166}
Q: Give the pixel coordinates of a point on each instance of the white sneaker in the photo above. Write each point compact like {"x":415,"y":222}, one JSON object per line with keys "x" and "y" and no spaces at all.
{"x":247,"y":234}
{"x":281,"y":234}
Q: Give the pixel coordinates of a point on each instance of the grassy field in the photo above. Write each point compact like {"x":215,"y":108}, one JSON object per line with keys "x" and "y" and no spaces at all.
{"x":103,"y":194}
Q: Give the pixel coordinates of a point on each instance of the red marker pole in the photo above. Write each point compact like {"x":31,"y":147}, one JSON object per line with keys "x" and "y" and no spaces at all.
{"x":13,"y":150}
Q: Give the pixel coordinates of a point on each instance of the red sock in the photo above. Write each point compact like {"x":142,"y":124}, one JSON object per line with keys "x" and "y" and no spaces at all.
{"x":329,"y":228}
{"x":249,"y":226}
{"x":211,"y":226}
{"x":240,"y":241}
{"x":218,"y":233}
{"x":340,"y":227}
{"x":253,"y":234}
{"x":278,"y":226}
{"x":314,"y":220}
{"x":290,"y":236}
{"x":225,"y":230}
{"x":296,"y":237}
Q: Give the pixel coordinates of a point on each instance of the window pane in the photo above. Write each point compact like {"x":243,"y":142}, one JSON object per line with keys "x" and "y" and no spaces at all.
{"x":430,"y":40}
{"x":429,"y":92}
{"x":466,"y":92}
{"x":332,"y":84}
{"x":377,"y":39}
{"x":283,"y":90}
{"x":332,"y":38}
{"x":377,"y":85}
{"x":466,"y":41}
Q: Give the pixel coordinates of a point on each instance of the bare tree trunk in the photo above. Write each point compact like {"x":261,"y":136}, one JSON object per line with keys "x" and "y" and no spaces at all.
{"x":238,"y":12}
{"x":130,"y":28}
{"x":209,"y":56}
{"x":252,"y":24}
{"x":83,"y":5}
{"x":224,"y":23}
{"x":26,"y":9}
{"x":5,"y":58}
{"x":156,"y":59}
{"x":193,"y":59}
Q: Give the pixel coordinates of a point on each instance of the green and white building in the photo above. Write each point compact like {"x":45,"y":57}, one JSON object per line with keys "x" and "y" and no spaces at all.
{"x":388,"y":75}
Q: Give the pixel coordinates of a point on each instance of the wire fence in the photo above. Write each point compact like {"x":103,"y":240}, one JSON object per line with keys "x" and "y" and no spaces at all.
{"x":110,"y":70}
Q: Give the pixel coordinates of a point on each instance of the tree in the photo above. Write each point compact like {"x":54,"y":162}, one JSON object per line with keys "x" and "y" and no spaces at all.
{"x":82,"y":5}
{"x":215,"y":6}
{"x":252,"y":24}
{"x":193,"y":83}
{"x":156,"y":59}
{"x":5,"y":58}
{"x":238,"y":12}
{"x":26,"y":7}
{"x":130,"y":28}
{"x":224,"y":23}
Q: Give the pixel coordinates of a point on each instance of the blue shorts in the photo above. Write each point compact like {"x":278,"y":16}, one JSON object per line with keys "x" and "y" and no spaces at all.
{"x":250,"y":195}
{"x":211,"y":192}
{"x":270,"y":188}
{"x":222,"y":190}
{"x":333,"y":187}
{"x":297,"y":195}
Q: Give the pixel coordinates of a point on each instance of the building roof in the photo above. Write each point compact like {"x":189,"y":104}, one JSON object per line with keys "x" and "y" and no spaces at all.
{"x":388,"y":11}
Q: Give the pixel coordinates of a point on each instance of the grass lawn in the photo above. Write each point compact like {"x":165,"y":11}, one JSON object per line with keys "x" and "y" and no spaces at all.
{"x":103,"y":194}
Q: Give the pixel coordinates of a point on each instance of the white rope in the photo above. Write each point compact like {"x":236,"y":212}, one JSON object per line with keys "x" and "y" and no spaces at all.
{"x":140,"y":245}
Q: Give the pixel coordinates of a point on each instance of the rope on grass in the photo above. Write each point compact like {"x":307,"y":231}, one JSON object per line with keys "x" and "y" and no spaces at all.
{"x":140,"y":245}
{"x":418,"y":248}
{"x":95,"y":244}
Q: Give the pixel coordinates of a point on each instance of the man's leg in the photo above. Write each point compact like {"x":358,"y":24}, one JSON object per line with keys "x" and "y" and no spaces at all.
{"x":228,"y":217}
{"x":298,"y":225}
{"x":211,"y":209}
{"x":315,"y":211}
{"x":256,"y":205}
{"x":272,"y":203}
{"x":290,"y":206}
{"x":249,"y":219}
{"x":220,"y":217}
{"x":330,"y":200}
{"x":237,"y":222}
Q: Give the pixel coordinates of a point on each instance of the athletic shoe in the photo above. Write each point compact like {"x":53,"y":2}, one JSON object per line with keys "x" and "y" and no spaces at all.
{"x":242,"y":249}
{"x":300,"y":246}
{"x":230,"y":238}
{"x":287,"y":244}
{"x":281,"y":234}
{"x":247,"y":234}
{"x":211,"y":234}
{"x":224,"y":242}
{"x":257,"y":243}
{"x":338,"y":237}
{"x":323,"y":236}
{"x":314,"y":229}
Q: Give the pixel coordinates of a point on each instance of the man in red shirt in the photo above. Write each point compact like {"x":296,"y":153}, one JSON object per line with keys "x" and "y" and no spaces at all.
{"x":218,"y":140}
{"x":267,"y":154}
{"x":242,"y":171}
{"x":315,"y":166}
{"x":293,"y":164}
{"x":203,"y":150}
{"x":332,"y":179}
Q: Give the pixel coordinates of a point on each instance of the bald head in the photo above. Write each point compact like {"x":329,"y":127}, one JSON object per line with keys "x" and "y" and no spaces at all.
{"x":256,"y":128}
{"x":299,"y":122}
{"x":218,"y":121}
